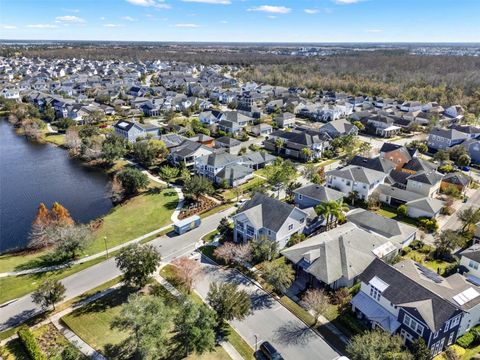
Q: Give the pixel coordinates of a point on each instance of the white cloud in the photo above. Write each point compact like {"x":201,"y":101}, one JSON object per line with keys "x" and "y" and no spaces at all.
{"x":102,"y":18}
{"x":69,"y":19}
{"x":215,"y":2}
{"x":311,"y":11}
{"x":42,"y":26}
{"x":187,"y":25}
{"x":347,"y":1}
{"x":374,"y":30}
{"x":128,"y":18}
{"x":8,"y":27}
{"x":112,"y":25}
{"x":160,"y":4}
{"x":271,"y":9}
{"x":224,"y":22}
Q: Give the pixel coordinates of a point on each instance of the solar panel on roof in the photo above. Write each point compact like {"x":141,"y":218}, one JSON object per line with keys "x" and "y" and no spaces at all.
{"x":473,"y":279}
{"x":430,"y":274}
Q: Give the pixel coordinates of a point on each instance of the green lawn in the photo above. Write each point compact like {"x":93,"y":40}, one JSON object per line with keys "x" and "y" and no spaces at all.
{"x":138,"y":216}
{"x":210,"y":236}
{"x":229,"y":194}
{"x":93,"y":324}
{"x":437,"y":266}
{"x":390,"y":212}
{"x":57,"y":139}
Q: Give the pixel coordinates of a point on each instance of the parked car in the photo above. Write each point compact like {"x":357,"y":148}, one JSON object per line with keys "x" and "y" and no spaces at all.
{"x":269,"y":351}
{"x":466,"y":168}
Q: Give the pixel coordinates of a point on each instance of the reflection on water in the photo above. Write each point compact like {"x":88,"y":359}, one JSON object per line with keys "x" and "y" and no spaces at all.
{"x":31,"y":173}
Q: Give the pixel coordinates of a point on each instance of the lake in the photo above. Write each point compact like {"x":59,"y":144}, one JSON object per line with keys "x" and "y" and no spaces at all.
{"x":31,"y":173}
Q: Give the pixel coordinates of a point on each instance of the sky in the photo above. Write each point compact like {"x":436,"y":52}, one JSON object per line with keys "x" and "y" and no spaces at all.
{"x":242,"y":20}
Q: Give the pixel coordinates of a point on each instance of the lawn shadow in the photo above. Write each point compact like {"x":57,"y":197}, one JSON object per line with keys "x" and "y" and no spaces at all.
{"x":48,"y":259}
{"x":123,"y":351}
{"x":116,"y":298}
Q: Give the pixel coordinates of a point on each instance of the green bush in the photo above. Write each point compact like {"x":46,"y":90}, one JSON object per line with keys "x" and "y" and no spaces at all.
{"x":430,"y":225}
{"x":416,"y":244}
{"x":466,"y":340}
{"x":406,"y":250}
{"x":30,"y":344}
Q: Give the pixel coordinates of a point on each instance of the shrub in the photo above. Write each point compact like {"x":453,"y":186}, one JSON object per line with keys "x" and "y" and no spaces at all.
{"x":406,"y":250}
{"x":416,"y":244}
{"x":430,"y":225}
{"x":30,"y":344}
{"x":402,"y":210}
{"x":466,"y":340}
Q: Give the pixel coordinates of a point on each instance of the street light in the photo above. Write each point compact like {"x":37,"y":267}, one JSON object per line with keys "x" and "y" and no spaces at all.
{"x":256,"y":341}
{"x":106,"y":247}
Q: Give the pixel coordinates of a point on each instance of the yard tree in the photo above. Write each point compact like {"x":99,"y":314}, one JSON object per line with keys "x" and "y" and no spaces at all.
{"x":148,"y":152}
{"x":114,"y":147}
{"x":291,"y":187}
{"x":464,"y":160}
{"x":468,"y":217}
{"x":377,"y":345}
{"x":228,"y":301}
{"x":70,"y":240}
{"x":196,"y":186}
{"x":342,"y":297}
{"x":138,"y":263}
{"x":280,"y":174}
{"x":230,"y":252}
{"x":317,"y":301}
{"x":150,"y":321}
{"x":49,"y":293}
{"x":420,"y":350}
{"x":132,"y":180}
{"x":333,"y":211}
{"x":359,"y":125}
{"x":224,"y":227}
{"x":186,"y":271}
{"x":263,"y":249}
{"x":402,"y":210}
{"x":278,"y":274}
{"x":60,"y":215}
{"x":37,"y":238}
{"x":49,"y":113}
{"x":446,"y":242}
{"x":195,"y":328}
{"x":456,"y":152}
{"x":352,"y":197}
{"x":168,"y":173}
{"x":309,"y":171}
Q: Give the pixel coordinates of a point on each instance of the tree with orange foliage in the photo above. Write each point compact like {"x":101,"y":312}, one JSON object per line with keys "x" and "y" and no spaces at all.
{"x":60,"y":215}
{"x":186,"y":271}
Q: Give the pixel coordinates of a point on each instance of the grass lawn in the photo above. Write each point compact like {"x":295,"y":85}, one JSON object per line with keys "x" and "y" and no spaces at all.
{"x":229,"y":194}
{"x":57,"y":139}
{"x":437,"y":266}
{"x":138,"y":216}
{"x":93,"y":324}
{"x":210,"y":236}
{"x":328,"y":162}
{"x":390,"y":212}
{"x":13,"y":350}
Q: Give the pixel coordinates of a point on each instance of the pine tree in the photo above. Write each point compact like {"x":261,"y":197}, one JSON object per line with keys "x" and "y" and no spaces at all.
{"x":60,"y":215}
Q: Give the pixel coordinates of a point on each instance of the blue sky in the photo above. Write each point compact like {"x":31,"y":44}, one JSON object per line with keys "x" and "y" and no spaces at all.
{"x":243,"y":20}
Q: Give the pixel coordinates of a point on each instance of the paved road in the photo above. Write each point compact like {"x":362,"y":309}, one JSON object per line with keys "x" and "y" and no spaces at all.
{"x":76,"y":284}
{"x":269,"y":320}
{"x":454,"y":223}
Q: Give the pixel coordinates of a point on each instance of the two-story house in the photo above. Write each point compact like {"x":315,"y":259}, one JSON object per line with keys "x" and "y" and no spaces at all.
{"x":187,"y":152}
{"x":132,"y":130}
{"x":413,"y":301}
{"x":425,"y":183}
{"x":312,"y":195}
{"x":223,"y":167}
{"x":441,"y":139}
{"x":340,"y":127}
{"x":355,"y":178}
{"x":268,"y":217}
{"x":337,"y":257}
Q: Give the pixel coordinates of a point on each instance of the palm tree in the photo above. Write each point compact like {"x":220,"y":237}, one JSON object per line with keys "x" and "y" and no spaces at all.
{"x":330,"y":210}
{"x":352,"y":196}
{"x":279,"y":144}
{"x":325,"y":209}
{"x":339,"y":209}
{"x":307,"y":153}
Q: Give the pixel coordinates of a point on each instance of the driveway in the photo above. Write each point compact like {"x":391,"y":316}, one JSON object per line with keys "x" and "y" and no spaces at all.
{"x":269,"y":320}
{"x":169,"y":246}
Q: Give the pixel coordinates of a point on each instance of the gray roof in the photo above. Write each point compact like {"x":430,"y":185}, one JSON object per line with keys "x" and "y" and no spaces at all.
{"x":218,"y":159}
{"x":341,"y":252}
{"x":376,"y":163}
{"x":234,"y":172}
{"x":407,"y":287}
{"x":358,"y":173}
{"x":426,"y":204}
{"x":400,"y":194}
{"x":457,"y":179}
{"x":188,"y":147}
{"x":266,"y":212}
{"x":393,"y":230}
{"x":472,"y":253}
{"x":430,"y":177}
{"x":319,"y":193}
{"x":227,"y":141}
{"x":258,"y":157}
{"x":451,"y":134}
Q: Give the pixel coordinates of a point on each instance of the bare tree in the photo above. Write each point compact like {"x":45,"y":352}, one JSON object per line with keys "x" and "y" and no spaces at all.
{"x":186,"y":271}
{"x":73,"y":140}
{"x":237,"y":253}
{"x":317,"y":301}
{"x":226,"y":252}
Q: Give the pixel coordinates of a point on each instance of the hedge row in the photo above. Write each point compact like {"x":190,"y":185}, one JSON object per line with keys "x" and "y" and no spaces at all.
{"x":30,"y":344}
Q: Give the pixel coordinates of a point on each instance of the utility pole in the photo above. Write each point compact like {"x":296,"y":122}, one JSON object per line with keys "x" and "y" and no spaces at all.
{"x":106,"y":247}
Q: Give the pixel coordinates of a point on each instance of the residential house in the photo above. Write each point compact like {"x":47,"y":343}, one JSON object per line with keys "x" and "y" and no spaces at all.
{"x":415,"y":302}
{"x":257,"y":159}
{"x":337,"y":257}
{"x":187,"y":152}
{"x":228,"y":144}
{"x":314,"y":194}
{"x":424,"y":207}
{"x":132,"y":130}
{"x":285,"y":120}
{"x":470,"y":260}
{"x":211,"y":117}
{"x":425,"y":183}
{"x":355,"y":178}
{"x":338,"y":128}
{"x":473,"y":148}
{"x":269,"y":217}
{"x":457,"y":180}
{"x":204,"y":140}
{"x":261,"y":129}
{"x":441,"y":139}
{"x":398,"y":233}
{"x":294,"y":142}
{"x":219,"y":167}
{"x":397,"y":154}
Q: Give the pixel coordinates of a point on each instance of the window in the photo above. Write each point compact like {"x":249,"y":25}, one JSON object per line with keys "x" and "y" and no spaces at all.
{"x":240,"y":226}
{"x":413,"y":324}
{"x":455,"y":321}
{"x":348,"y":183}
{"x":446,"y":326}
{"x":300,"y":196}
{"x":473,"y":264}
{"x":250,"y":230}
{"x":290,"y":227}
{"x":450,"y":338}
{"x":375,"y":293}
